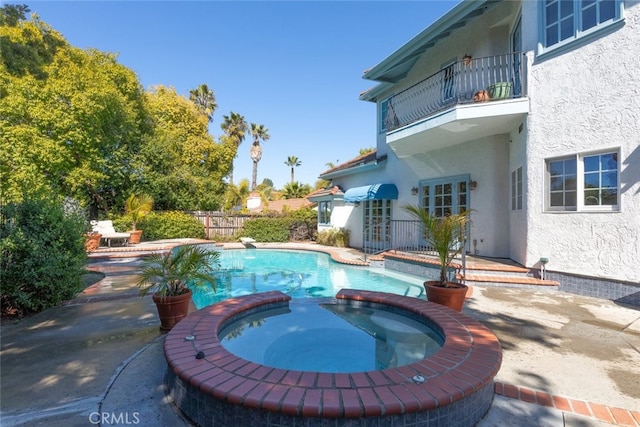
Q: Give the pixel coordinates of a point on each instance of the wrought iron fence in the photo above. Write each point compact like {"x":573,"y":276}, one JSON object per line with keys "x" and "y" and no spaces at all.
{"x":402,"y":235}
{"x":470,"y":80}
{"x":399,"y":235}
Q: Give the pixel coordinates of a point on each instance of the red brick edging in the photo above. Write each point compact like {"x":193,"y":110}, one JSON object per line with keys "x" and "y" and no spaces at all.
{"x":604,"y":413}
{"x":463,"y":367}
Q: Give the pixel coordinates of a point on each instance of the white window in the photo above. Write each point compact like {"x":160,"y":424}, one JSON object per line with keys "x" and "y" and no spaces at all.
{"x":586,"y":182}
{"x":324,"y":212}
{"x":566,"y":20}
{"x":516,"y":189}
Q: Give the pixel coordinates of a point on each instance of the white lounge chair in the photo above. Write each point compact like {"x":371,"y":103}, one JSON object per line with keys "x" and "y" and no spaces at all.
{"x":109,"y":233}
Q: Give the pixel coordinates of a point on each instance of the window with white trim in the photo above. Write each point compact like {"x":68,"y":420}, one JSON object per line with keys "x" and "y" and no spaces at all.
{"x":565,"y":20}
{"x":516,"y":189}
{"x":324,"y":212}
{"x":584,"y":182}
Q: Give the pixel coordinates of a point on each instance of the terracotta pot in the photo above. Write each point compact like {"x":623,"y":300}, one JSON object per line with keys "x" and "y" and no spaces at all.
{"x":452,"y":296}
{"x":481,"y":96}
{"x":135,"y":236}
{"x":92,"y":241}
{"x":172,"y":309}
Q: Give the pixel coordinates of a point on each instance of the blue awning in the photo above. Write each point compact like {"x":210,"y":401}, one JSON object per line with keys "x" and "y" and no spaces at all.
{"x":371,"y":192}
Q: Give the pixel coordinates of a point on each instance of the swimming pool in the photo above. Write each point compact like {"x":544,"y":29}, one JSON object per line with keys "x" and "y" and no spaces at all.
{"x":299,"y":274}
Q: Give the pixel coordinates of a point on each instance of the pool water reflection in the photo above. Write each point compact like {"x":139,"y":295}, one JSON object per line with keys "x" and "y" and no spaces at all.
{"x":299,"y":274}
{"x":330,"y":337}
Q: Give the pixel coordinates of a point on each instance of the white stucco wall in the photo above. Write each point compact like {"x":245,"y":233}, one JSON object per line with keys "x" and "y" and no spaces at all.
{"x":486,"y":161}
{"x":585,"y":100}
{"x":518,"y":218}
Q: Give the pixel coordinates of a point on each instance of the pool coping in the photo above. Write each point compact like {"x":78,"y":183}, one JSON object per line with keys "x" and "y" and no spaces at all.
{"x":466,"y":364}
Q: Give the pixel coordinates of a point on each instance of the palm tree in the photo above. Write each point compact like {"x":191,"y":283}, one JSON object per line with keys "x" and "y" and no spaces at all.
{"x":292,"y":161}
{"x":332,"y":165}
{"x":237,"y":195}
{"x":445,"y":234}
{"x":295,"y":190}
{"x":235,"y":127}
{"x":205,"y":100}
{"x":259,"y":132}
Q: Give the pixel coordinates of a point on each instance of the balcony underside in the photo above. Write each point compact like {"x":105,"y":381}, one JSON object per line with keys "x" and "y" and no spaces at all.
{"x":457,"y":125}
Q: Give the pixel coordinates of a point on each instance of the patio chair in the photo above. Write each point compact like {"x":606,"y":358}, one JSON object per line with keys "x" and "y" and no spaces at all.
{"x":109,"y":233}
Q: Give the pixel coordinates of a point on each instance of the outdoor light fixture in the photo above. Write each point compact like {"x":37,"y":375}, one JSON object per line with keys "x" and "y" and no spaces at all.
{"x":414,"y":190}
{"x":473,"y":184}
{"x":543,"y":263}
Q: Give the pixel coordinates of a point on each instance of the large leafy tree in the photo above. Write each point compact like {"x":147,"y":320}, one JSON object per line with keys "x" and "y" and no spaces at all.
{"x":183,"y":166}
{"x":71,"y":119}
{"x":293,"y":162}
{"x":258,"y":132}
{"x":235,"y":128}
{"x":205,"y":100}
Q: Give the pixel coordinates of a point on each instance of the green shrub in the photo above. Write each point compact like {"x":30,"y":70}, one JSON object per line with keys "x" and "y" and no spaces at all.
{"x":171,"y":225}
{"x":42,"y":255}
{"x":334,"y":237}
{"x":267,"y":229}
{"x":294,"y":225}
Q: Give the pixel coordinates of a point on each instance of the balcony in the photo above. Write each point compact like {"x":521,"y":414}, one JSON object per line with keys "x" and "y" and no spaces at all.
{"x":467,"y":100}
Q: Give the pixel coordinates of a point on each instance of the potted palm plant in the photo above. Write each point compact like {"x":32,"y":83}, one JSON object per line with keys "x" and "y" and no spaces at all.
{"x":137,"y":207}
{"x":446,"y":235}
{"x":168,"y":276}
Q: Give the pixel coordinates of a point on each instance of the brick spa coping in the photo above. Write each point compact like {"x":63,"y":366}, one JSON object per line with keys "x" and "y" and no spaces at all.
{"x":209,"y":383}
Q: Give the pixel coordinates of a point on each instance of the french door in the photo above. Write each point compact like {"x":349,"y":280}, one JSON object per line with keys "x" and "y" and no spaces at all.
{"x":377,"y":225}
{"x":516,"y":46}
{"x":445,"y":196}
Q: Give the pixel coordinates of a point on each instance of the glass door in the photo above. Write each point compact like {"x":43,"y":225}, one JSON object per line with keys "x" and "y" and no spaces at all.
{"x":448,"y":84}
{"x":445,"y":196}
{"x":516,"y":46}
{"x":377,"y":225}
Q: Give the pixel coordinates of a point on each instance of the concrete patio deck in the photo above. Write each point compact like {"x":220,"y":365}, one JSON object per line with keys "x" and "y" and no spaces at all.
{"x":568,"y":360}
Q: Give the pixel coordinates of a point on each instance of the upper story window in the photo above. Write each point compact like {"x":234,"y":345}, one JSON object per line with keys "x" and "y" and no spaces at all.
{"x":583,"y":183}
{"x":564,"y":20}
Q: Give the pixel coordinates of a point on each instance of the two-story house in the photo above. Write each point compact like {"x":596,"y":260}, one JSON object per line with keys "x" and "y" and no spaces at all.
{"x":526,"y":112}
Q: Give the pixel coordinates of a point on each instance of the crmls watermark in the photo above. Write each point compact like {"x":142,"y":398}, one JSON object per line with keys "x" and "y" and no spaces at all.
{"x":114,"y":418}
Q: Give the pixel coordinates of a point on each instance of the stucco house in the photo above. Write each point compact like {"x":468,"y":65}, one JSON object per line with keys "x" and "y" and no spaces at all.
{"x":526,"y":112}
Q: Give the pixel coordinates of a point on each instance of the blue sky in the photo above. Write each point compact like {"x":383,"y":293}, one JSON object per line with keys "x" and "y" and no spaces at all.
{"x":294,"y":66}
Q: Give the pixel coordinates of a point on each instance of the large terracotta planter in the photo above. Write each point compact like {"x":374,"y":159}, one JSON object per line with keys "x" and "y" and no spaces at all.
{"x":452,"y":296}
{"x":172,"y":309}
{"x":92,"y":241}
{"x":135,"y":236}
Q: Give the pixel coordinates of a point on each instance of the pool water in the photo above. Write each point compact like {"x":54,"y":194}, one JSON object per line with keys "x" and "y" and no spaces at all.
{"x":299,"y":274}
{"x":330,"y":337}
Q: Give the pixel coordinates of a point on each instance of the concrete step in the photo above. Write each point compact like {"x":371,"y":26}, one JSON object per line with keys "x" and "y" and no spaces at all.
{"x":507,"y":280}
{"x":483,"y":272}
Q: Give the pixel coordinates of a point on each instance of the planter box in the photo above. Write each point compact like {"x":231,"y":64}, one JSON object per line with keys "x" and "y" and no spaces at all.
{"x":499,"y":90}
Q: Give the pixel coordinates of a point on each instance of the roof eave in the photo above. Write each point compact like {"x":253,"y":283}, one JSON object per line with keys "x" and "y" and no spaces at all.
{"x":431,"y":34}
{"x":355,"y":169}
